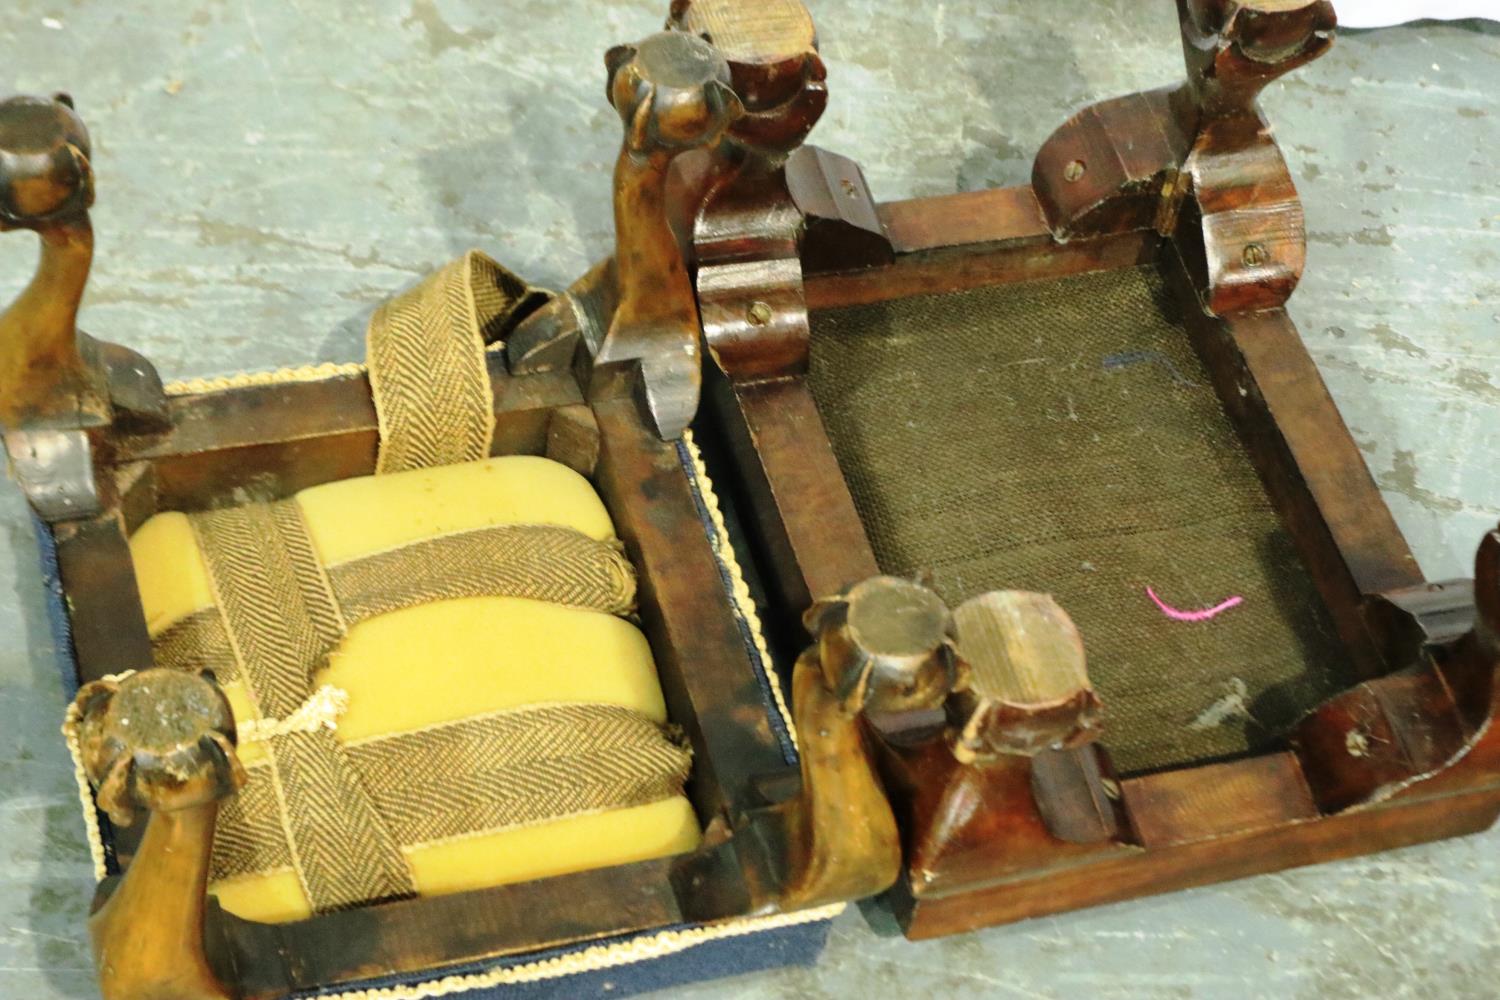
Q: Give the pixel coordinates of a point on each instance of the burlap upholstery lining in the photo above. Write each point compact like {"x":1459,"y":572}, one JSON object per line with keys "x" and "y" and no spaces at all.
{"x":1063,"y":437}
{"x":340,"y":815}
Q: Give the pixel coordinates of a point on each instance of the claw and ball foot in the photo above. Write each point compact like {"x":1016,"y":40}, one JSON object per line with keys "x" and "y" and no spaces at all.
{"x":1026,"y":687}
{"x":1004,"y":673}
{"x":673,"y":95}
{"x":160,"y":741}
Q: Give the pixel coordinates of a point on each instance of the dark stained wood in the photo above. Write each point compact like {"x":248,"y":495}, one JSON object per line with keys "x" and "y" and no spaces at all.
{"x":1479,"y":767}
{"x":1365,"y":744}
{"x":804,"y":516}
{"x":749,"y":278}
{"x":135,"y":489}
{"x":261,"y":472}
{"x":1234,"y":49}
{"x":108,"y":624}
{"x":1241,"y":233}
{"x":271,"y":961}
{"x":754,"y":316}
{"x":1395,"y":732}
{"x":257,"y":415}
{"x":1103,"y":170}
{"x":1240,"y":223}
{"x":270,"y":441}
{"x":1187,"y":176}
{"x":1307,"y":459}
{"x":1218,"y":800}
{"x":1435,"y":612}
{"x":979,"y":851}
{"x":965,"y":827}
{"x":705,"y":672}
{"x":767,"y":44}
{"x":1129,"y":875}
{"x":957,"y":268}
{"x":573,"y":438}
{"x":748,"y":227}
{"x":967,"y":219}
{"x":1197,"y":159}
{"x":842,"y":228}
{"x":772,"y":50}
{"x":1076,"y":799}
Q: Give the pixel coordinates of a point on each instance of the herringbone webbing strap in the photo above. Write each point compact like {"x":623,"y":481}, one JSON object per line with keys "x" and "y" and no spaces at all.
{"x":280,"y":619}
{"x":277,"y":637}
{"x":197,"y":643}
{"x":426,"y":354}
{"x":521,"y":767}
{"x":341,"y":846}
{"x":248,"y":837}
{"x":542,"y":562}
{"x":480,"y":775}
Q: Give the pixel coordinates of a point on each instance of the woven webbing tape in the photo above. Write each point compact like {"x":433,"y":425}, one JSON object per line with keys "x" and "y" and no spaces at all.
{"x":426,"y":354}
{"x":1063,"y":437}
{"x":281,"y":620}
{"x":477,"y":775}
{"x":539,"y":561}
{"x":340,"y":815}
{"x":542,"y":562}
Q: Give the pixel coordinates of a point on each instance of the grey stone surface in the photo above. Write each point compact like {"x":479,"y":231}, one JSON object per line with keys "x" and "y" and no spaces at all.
{"x":268,"y":171}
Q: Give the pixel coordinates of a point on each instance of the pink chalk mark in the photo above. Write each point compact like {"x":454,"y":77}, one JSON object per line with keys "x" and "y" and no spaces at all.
{"x":1194,"y":616}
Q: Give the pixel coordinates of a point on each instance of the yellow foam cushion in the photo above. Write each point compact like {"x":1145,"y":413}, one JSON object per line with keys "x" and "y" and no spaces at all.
{"x":638,"y":833}
{"x":449,"y":660}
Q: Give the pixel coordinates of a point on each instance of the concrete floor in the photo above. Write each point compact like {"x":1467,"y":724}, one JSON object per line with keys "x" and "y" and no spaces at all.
{"x":267,"y":172}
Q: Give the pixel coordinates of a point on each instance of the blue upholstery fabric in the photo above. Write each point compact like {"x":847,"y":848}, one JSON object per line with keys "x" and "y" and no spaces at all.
{"x":772,"y":949}
{"x":62,"y":641}
{"x":57,"y":607}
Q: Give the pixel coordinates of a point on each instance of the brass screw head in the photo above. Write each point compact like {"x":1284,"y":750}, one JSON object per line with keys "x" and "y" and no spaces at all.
{"x":759,"y":314}
{"x":1255,"y":255}
{"x":1074,"y":171}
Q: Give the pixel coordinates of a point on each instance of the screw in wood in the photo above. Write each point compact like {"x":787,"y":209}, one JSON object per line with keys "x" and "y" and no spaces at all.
{"x":759,"y":314}
{"x":1255,"y":255}
{"x":1074,"y":171}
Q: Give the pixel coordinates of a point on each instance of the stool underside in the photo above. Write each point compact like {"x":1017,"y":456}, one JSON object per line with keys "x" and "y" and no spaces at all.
{"x":1063,"y":437}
